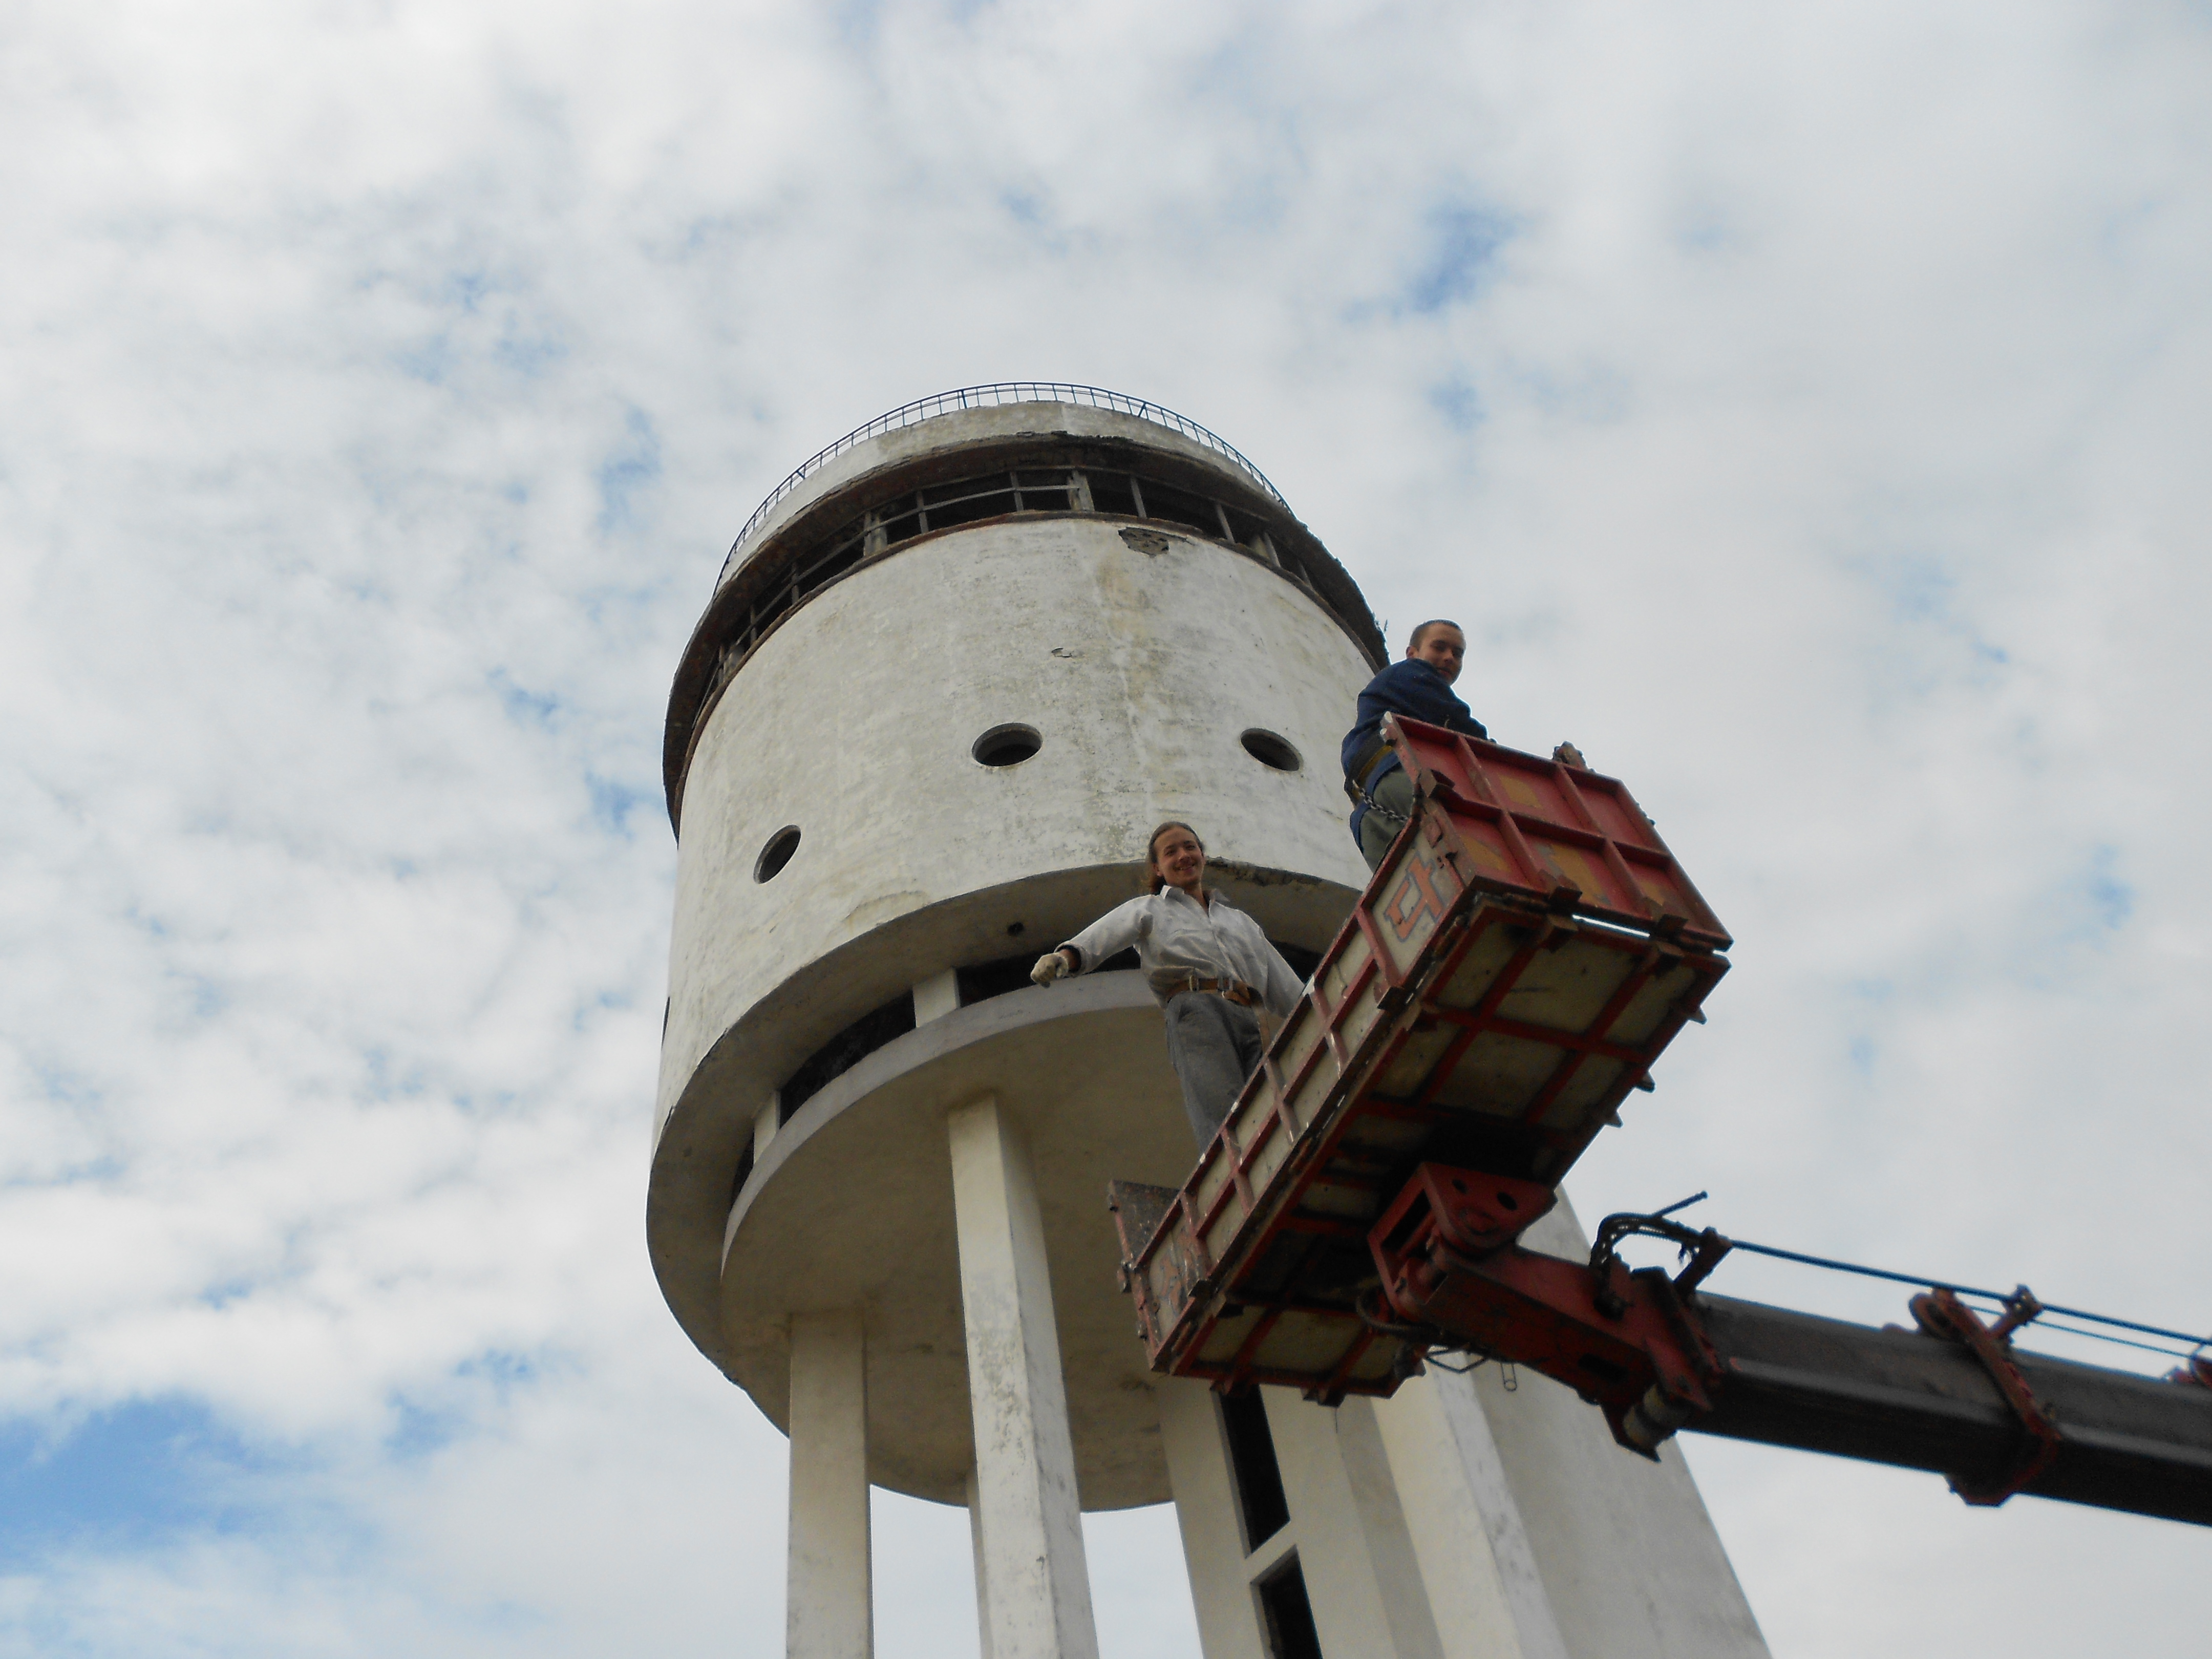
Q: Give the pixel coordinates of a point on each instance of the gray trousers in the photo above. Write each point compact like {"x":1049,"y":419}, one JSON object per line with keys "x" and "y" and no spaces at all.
{"x":1395,"y":795}
{"x":1213,"y":1044}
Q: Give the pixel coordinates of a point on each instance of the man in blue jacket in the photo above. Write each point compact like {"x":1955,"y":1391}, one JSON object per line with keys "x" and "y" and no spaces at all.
{"x":1419,"y":688}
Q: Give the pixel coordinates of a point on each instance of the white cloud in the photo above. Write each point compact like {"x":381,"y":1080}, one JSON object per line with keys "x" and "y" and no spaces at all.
{"x":1804,"y":408}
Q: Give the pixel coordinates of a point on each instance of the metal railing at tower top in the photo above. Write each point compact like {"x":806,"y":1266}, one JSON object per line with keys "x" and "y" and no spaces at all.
{"x":988,"y":397}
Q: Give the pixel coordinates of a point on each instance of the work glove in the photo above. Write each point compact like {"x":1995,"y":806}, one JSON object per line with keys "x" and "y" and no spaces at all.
{"x":1049,"y":967}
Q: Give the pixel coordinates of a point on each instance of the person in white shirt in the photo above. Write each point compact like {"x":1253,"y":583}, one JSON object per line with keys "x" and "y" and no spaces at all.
{"x":1208,"y":963}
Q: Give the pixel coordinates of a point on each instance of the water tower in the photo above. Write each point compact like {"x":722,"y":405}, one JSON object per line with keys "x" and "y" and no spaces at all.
{"x":954,"y":670}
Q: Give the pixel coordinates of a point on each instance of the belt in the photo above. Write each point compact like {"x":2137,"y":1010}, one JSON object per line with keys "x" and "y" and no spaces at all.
{"x":1230,"y":990}
{"x":1357,"y":779}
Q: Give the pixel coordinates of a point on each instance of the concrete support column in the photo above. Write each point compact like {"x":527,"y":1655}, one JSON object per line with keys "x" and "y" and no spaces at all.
{"x":1475,"y":1555}
{"x":983,"y":1568}
{"x":828,"y":1612}
{"x":1215,"y":1551}
{"x":1356,"y":1552}
{"x":766,"y":1123}
{"x":1627,"y":1556}
{"x":1034,"y":1582}
{"x":936,"y":997}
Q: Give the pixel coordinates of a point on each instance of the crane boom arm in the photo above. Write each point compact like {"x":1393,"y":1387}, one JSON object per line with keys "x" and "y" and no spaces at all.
{"x":1656,"y":1355}
{"x":1890,"y":1396}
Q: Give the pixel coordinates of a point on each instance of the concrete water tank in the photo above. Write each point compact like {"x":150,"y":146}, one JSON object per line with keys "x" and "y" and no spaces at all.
{"x":949,"y":680}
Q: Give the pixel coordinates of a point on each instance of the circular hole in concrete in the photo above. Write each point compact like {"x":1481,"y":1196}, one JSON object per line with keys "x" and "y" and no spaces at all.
{"x":1008,"y":745}
{"x":1269,"y":750}
{"x":777,"y":853}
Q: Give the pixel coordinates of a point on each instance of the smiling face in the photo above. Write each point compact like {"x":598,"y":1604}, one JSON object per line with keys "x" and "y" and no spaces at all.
{"x":1178,"y":859}
{"x":1443,"y":648}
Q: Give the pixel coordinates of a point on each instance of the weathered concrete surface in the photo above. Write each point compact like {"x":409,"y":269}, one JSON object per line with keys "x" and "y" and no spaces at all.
{"x":852,"y":1205}
{"x":1037,"y":1587}
{"x":1214,"y":1548}
{"x":1476,"y":1560}
{"x":1629,"y":1559}
{"x":982,"y":1567}
{"x":1458,"y":1521}
{"x":827,"y":1608}
{"x":855,"y":721}
{"x":1349,"y":1530}
{"x":695,"y":1165}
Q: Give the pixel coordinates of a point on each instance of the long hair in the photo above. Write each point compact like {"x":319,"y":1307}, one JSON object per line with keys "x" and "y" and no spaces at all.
{"x":1153,"y":848}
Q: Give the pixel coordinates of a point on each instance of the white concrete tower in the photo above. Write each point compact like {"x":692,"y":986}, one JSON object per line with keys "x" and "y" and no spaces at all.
{"x":954,"y":671}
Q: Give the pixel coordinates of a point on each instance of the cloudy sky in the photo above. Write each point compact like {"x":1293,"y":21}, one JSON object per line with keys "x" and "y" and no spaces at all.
{"x":1805,"y":406}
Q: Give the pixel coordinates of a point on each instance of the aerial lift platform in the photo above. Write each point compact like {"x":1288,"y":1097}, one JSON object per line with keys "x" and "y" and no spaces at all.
{"x":1524,"y":954}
